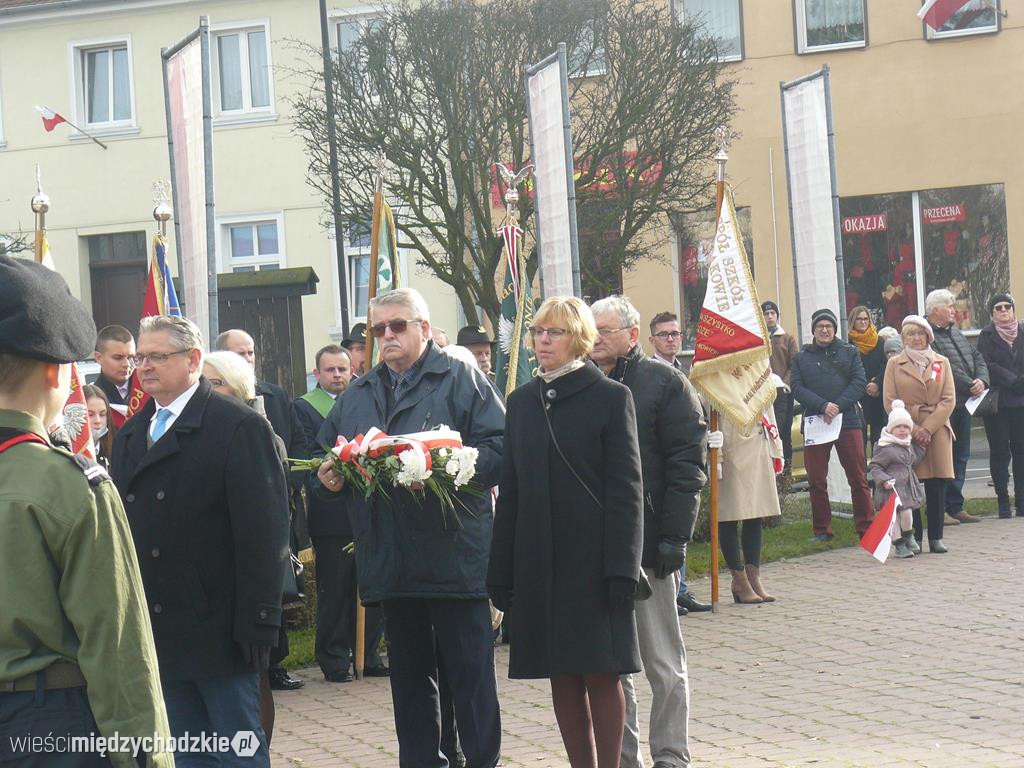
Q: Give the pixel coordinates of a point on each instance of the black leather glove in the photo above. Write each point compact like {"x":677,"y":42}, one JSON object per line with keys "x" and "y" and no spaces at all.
{"x":256,"y":656}
{"x":501,"y":597}
{"x":621,"y":591}
{"x":671,"y":555}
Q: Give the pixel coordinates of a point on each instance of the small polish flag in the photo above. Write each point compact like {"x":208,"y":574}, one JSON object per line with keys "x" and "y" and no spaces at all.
{"x":51,"y":119}
{"x":935,"y":13}
{"x":878,"y":538}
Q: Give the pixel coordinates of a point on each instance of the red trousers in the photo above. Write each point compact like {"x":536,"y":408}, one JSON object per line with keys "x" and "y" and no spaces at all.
{"x":850,"y":447}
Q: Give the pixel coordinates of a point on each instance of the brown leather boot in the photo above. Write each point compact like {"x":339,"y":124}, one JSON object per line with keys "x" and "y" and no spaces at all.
{"x":754,"y":577}
{"x":742,"y":592}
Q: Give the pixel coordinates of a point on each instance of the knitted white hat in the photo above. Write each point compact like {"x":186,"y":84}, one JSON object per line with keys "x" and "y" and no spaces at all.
{"x":899,"y":415}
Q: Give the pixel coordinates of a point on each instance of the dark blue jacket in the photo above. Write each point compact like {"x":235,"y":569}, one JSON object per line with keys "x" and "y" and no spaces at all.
{"x":832,"y":374}
{"x":405,"y":548}
{"x":1005,"y":365}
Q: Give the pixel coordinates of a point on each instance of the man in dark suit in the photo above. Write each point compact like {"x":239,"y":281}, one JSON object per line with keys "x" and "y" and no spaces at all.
{"x":114,"y":349}
{"x":281,"y":415}
{"x":331,"y":531}
{"x":204,"y":491}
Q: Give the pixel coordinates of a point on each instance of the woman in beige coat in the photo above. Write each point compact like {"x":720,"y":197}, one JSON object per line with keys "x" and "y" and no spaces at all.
{"x":923,"y":380}
{"x":749,"y":461}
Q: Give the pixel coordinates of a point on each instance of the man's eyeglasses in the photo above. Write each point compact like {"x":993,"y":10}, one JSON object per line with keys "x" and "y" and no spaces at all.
{"x":666,"y":335}
{"x":1003,"y":307}
{"x":551,"y":333}
{"x":604,"y":333}
{"x":156,"y":358}
{"x":396,"y":326}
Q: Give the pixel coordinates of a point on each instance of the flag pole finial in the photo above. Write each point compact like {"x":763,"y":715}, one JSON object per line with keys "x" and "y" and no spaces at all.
{"x":162,"y":211}
{"x":40,"y":200}
{"x":723,"y":137}
{"x":512,"y":182}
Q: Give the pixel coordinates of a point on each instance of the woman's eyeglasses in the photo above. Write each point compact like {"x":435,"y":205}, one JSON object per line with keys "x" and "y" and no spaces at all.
{"x":551,"y":333}
{"x":216,"y":383}
{"x":396,"y":326}
{"x":1003,"y":307}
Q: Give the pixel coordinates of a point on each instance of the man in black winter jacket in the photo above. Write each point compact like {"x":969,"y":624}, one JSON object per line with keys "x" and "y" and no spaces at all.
{"x":970,"y":376}
{"x":673,"y":453}
{"x":828,"y":378}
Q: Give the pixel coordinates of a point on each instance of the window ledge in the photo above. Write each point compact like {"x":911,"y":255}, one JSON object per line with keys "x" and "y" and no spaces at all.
{"x":243,"y":120}
{"x":105,"y":132}
{"x":959,"y":33}
{"x":833,"y":47}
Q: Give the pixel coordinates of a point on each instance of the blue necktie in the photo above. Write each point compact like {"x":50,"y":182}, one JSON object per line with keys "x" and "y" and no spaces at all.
{"x":160,"y":426}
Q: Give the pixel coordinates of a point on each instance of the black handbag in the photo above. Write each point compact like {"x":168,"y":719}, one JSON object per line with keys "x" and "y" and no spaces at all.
{"x":990,"y":405}
{"x":294,"y":584}
{"x":643,"y":585}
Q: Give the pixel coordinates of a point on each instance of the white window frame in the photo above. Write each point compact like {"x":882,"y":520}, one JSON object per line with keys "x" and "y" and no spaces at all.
{"x":598,"y":65}
{"x":227,"y":263}
{"x":931,"y":34}
{"x":361,"y":14}
{"x":77,"y":50}
{"x":351,"y":254}
{"x":681,"y":16}
{"x":248,"y":113}
{"x":800,"y":20}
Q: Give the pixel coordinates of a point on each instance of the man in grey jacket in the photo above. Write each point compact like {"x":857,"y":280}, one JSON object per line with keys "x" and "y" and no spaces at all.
{"x":427,"y":569}
{"x":970,"y":376}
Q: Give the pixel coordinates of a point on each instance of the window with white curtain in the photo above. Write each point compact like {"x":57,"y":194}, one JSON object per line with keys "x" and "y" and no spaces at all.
{"x":830,"y":24}
{"x":348,"y":30}
{"x":977,"y":17}
{"x":357,"y":249}
{"x":242,"y":62}
{"x":252,"y":243}
{"x":103,"y":84}
{"x":720,"y":19}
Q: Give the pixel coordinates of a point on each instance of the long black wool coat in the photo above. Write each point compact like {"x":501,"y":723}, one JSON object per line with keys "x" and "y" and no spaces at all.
{"x":552,"y":544}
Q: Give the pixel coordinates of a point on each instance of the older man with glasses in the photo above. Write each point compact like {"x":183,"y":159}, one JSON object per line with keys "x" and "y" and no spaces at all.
{"x":426,"y":570}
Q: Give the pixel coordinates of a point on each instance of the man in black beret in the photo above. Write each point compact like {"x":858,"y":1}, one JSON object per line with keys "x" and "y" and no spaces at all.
{"x":78,"y":620}
{"x":475,"y":339}
{"x":355,"y":344}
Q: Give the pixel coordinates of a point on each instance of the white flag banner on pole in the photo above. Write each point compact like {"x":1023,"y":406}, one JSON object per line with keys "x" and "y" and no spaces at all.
{"x":809,"y":173}
{"x":551,"y":191}
{"x":185,"y":104}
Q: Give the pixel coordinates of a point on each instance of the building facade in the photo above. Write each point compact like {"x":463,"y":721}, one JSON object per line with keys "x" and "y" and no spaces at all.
{"x":98,"y":63}
{"x":930,"y":177}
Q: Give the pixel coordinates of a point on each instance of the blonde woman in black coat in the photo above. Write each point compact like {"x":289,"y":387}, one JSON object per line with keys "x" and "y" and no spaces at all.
{"x":568,"y":534}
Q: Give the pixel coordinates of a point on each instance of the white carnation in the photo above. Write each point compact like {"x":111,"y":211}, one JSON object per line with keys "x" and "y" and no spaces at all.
{"x":466,"y":459}
{"x":414,"y":468}
{"x":452,"y":467}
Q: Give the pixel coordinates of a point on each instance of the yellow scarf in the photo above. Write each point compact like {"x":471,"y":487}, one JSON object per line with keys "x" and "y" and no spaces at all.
{"x":866,"y":340}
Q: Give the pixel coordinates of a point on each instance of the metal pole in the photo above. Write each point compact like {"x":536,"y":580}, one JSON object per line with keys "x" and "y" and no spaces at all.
{"x":332,"y":145}
{"x":570,"y":173}
{"x":835,"y":203}
{"x":536,"y":215}
{"x":211,"y":226}
{"x":165,"y":55}
{"x":40,"y":205}
{"x":789,"y":199}
{"x":720,"y":158}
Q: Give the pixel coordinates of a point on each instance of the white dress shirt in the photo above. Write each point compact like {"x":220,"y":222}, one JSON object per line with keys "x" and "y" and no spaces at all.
{"x":176,"y":407}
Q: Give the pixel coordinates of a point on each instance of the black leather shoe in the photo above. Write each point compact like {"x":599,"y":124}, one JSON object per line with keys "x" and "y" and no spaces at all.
{"x":680,"y":610}
{"x":339,"y":676}
{"x":380,"y":671}
{"x":280,"y":680}
{"x":687,"y":601}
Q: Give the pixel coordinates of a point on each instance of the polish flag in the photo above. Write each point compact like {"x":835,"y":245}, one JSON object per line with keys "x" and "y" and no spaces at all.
{"x":878,"y":538}
{"x":51,"y":119}
{"x":935,"y":13}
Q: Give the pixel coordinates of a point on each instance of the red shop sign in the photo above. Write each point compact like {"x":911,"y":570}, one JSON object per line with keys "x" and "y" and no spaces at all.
{"x":944,"y":214}
{"x":872,"y":222}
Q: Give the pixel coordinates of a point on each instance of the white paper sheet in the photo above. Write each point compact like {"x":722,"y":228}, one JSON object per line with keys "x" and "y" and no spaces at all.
{"x":973,"y":402}
{"x":818,"y":432}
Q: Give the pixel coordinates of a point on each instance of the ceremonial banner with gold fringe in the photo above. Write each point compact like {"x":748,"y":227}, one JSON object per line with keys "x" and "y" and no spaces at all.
{"x":383,"y":261}
{"x":515,"y":363}
{"x":730,"y":361}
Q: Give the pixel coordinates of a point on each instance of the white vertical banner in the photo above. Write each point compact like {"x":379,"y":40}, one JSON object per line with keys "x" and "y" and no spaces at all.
{"x":809,"y":174}
{"x":551,"y":189}
{"x":188,"y":176}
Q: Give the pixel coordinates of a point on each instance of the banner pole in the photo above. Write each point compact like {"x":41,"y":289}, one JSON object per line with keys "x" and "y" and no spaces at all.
{"x":40,"y":205}
{"x":720,"y":158}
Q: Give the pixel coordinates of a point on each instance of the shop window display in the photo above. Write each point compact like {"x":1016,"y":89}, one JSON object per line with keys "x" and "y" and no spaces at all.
{"x":694,"y":235}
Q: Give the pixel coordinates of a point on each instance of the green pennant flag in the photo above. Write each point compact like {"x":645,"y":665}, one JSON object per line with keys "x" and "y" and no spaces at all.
{"x":515,"y":363}
{"x":383,"y":260}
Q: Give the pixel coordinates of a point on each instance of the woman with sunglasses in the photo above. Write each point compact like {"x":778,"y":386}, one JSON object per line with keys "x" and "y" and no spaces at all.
{"x":1002,"y":345}
{"x":568,"y":533}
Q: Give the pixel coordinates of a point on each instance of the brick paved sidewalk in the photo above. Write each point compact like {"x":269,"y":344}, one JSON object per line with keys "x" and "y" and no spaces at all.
{"x":912,"y":663}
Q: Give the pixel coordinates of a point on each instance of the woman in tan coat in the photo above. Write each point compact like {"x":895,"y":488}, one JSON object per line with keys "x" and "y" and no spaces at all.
{"x":923,"y":380}
{"x":749,"y":460}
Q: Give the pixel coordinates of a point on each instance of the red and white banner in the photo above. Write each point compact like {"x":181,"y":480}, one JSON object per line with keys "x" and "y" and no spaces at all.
{"x":185,"y":100}
{"x":935,"y":13}
{"x":877,"y":539}
{"x":860,"y":225}
{"x":730,"y":362}
{"x":51,"y":119}
{"x":944,"y":214}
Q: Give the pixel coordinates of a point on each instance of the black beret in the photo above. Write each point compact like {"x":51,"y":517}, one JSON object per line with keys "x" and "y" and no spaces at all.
{"x":39,"y":318}
{"x":356,"y":335}
{"x":1000,"y":298}
{"x":766,"y":305}
{"x":472,"y":334}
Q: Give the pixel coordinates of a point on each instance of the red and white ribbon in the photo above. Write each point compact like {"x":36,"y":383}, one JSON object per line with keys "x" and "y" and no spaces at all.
{"x":376,"y":443}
